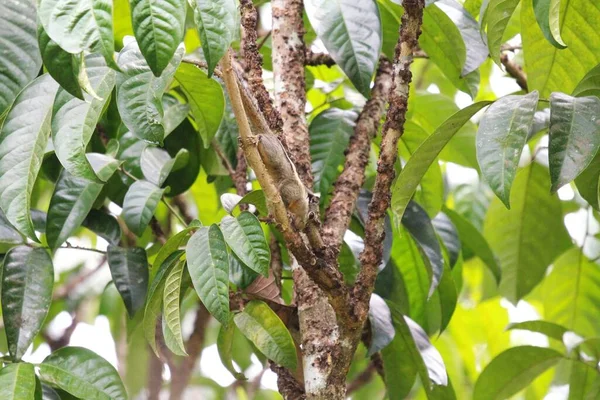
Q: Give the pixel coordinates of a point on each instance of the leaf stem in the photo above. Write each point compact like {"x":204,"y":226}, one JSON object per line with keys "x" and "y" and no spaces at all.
{"x":172,"y":210}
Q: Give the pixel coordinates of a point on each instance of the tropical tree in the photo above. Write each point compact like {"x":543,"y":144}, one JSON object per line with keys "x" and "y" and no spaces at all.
{"x":374,"y":199}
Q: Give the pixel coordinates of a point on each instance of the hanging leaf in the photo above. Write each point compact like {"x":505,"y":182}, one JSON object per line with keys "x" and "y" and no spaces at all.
{"x":129,"y":270}
{"x":139,"y":92}
{"x":472,"y":238}
{"x":104,"y":225}
{"x":242,"y":276}
{"x":175,"y":113}
{"x":208,"y":264}
{"x":257,"y":199}
{"x":205,"y":97}
{"x":159,"y":28}
{"x":184,"y":137}
{"x":570,"y":293}
{"x":175,"y":242}
{"x":9,"y":236}
{"x":84,"y":25}
{"x":589,"y":84}
{"x":417,"y":223}
{"x":513,"y":370}
{"x":382,"y":329}
{"x":157,"y":164}
{"x":74,"y":120}
{"x":502,"y":134}
{"x":547,"y":16}
{"x":245,"y":237}
{"x":476,"y":48}
{"x":23,"y":139}
{"x":587,"y":182}
{"x":17,"y":382}
{"x":27,"y":283}
{"x":351,"y":33}
{"x":139,"y":205}
{"x":524,"y":246}
{"x":448,"y":233}
{"x":225,"y":349}
{"x":20,"y":64}
{"x":419,"y":163}
{"x":82,"y":373}
{"x":574,"y":136}
{"x":268,"y":333}
{"x":496,"y":18}
{"x":329,"y":132}
{"x":73,"y":199}
{"x":549,"y":329}
{"x":155,"y":297}
{"x":216,"y":21}
{"x":172,"y":313}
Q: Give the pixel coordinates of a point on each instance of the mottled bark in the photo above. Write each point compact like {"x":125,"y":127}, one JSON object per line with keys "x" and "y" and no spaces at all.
{"x":253,"y":64}
{"x":393,"y":128}
{"x":515,"y":71}
{"x":315,"y":59}
{"x":348,"y":184}
{"x":288,"y":73}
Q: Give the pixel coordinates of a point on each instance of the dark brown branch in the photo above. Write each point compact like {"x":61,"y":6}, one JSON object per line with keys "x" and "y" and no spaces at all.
{"x":63,"y":291}
{"x":393,"y":128}
{"x":515,"y":71}
{"x":288,"y":386}
{"x":362,"y":379}
{"x":241,"y":174}
{"x":223,"y":159}
{"x":315,"y":59}
{"x":180,"y":203}
{"x":288,"y":73}
{"x":155,"y":380}
{"x":348,"y":184}
{"x":276,"y":260}
{"x":253,"y":64}
{"x":157,"y":231}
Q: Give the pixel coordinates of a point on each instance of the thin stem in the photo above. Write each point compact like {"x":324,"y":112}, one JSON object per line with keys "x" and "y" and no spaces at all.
{"x":70,"y":246}
{"x":172,"y":210}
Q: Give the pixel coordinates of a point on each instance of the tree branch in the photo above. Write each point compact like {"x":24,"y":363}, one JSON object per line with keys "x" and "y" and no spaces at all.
{"x":253,"y":64}
{"x":288,"y":73}
{"x":393,"y":128}
{"x":515,"y":71}
{"x":288,"y":386}
{"x":348,"y":184}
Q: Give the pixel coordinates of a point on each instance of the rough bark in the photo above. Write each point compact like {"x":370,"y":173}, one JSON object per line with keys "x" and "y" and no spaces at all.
{"x":393,"y":128}
{"x":515,"y":71}
{"x":288,"y":74}
{"x":348,"y":184}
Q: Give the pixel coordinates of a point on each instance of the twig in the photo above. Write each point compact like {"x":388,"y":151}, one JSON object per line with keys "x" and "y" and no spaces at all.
{"x":224,"y":159}
{"x":63,"y":291}
{"x":315,"y":59}
{"x":68,"y":245}
{"x":179,"y":202}
{"x":362,"y":379}
{"x":393,"y":128}
{"x":157,"y":231}
{"x":348,"y":184}
{"x":515,"y":71}
{"x":264,"y":39}
{"x":202,"y":65}
{"x":253,"y":64}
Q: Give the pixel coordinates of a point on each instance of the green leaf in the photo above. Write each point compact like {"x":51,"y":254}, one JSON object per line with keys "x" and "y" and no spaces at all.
{"x":549,"y":329}
{"x":496,"y":18}
{"x":472,"y":238}
{"x":448,"y":234}
{"x":216,"y":21}
{"x":157,"y":164}
{"x":419,"y":163}
{"x":550,"y":69}
{"x":73,"y":199}
{"x":67,"y":69}
{"x":589,"y":84}
{"x":443,"y":43}
{"x":268,"y":333}
{"x":417,"y":223}
{"x":512,"y":371}
{"x":587,"y":182}
{"x":547,"y":16}
{"x":351,"y":33}
{"x":23,"y":139}
{"x":155,"y":297}
{"x":206,"y":100}
{"x":225,"y":349}
{"x":502,"y":134}
{"x":245,"y":237}
{"x":330,"y":132}
{"x":104,"y":225}
{"x":171,"y":300}
{"x":175,"y":113}
{"x":9,"y":236}
{"x":208,"y":264}
{"x":382,"y":329}
{"x":129,"y":270}
{"x":159,"y":27}
{"x":257,"y":199}
{"x":27,"y":283}
{"x":82,"y":373}
{"x":17,"y":382}
{"x":476,"y":48}
{"x":524,"y":245}
{"x":20,"y":62}
{"x":574,"y":136}
{"x":78,"y":26}
{"x":570,"y":293}
{"x":139,"y":205}
{"x":139,"y":92}
{"x":184,"y":137}
{"x":174,"y":242}
{"x":74,"y":120}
